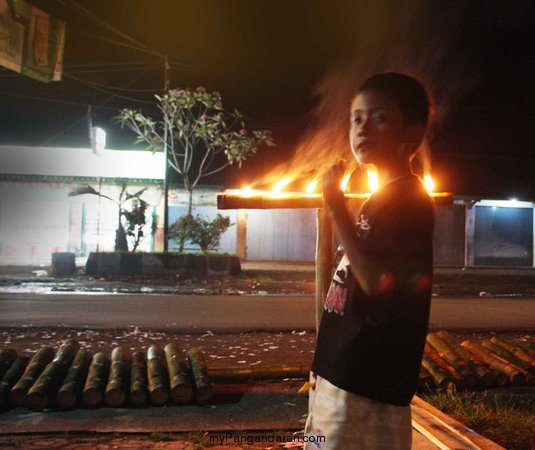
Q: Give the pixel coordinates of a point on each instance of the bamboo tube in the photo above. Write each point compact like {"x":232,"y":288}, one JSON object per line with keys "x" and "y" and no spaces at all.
{"x":7,"y":356}
{"x":441,"y":377}
{"x":138,"y":380}
{"x":259,"y":372}
{"x":93,"y":393}
{"x":505,"y":354}
{"x":500,"y":379}
{"x":466,"y":376}
{"x":486,"y":378}
{"x":515,"y":350}
{"x":11,"y":377}
{"x":204,"y":393}
{"x":515,"y":376}
{"x":158,"y":390}
{"x":181,"y":389}
{"x":116,"y":389}
{"x":456,"y":377}
{"x":17,"y":396}
{"x":69,"y":393}
{"x":425,"y":380}
{"x":511,"y":359}
{"x":46,"y":386}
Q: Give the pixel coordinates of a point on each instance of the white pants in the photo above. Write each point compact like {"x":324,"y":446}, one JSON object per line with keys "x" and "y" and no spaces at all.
{"x":340,"y":420}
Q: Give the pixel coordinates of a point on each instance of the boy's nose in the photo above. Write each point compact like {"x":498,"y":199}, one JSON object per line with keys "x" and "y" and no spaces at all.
{"x":363,"y":128}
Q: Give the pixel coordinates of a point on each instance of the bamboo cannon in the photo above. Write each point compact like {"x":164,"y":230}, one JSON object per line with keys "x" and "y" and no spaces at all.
{"x":93,"y":393}
{"x":515,"y":376}
{"x":138,"y":379}
{"x":12,"y":375}
{"x":158,"y":389}
{"x":485,"y":375}
{"x":69,"y":392}
{"x":7,"y":356}
{"x":204,"y":393}
{"x":116,"y":389}
{"x":17,"y":396}
{"x":46,"y":386}
{"x":466,"y":377}
{"x":181,"y":389}
{"x":516,"y":351}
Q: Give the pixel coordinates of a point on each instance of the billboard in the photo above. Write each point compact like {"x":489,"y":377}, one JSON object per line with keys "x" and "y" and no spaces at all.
{"x":31,"y":41}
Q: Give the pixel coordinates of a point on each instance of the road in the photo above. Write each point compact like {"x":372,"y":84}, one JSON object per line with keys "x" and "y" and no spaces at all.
{"x":197,"y":313}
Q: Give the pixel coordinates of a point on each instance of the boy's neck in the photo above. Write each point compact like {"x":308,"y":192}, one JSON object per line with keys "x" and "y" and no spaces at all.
{"x":388,"y":175}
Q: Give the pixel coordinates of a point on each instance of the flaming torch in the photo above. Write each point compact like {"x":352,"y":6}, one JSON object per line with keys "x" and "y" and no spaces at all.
{"x":280,"y":198}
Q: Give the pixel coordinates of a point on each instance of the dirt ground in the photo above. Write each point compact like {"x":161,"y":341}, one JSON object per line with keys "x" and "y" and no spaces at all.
{"x":221,"y":350}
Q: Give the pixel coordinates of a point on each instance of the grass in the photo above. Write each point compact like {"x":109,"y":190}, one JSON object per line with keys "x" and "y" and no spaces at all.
{"x":508,"y":424}
{"x":158,"y":436}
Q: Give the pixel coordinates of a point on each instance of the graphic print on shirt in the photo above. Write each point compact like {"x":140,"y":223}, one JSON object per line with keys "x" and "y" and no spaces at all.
{"x":363,"y":227}
{"x":338,"y":290}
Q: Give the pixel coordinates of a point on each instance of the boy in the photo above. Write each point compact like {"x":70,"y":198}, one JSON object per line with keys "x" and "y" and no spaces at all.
{"x":372,"y":332}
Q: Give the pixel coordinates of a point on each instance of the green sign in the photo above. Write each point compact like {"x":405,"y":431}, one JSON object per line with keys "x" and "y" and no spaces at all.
{"x":31,"y":42}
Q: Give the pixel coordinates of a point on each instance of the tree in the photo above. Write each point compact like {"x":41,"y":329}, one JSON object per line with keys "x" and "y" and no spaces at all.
{"x":202,"y":137}
{"x":131,"y":207}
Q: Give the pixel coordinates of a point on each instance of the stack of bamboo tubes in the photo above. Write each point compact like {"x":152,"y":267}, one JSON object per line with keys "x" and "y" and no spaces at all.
{"x":493,"y":363}
{"x":72,"y":376}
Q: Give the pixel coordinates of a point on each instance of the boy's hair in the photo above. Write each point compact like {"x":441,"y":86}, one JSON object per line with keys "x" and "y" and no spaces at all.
{"x":409,"y":94}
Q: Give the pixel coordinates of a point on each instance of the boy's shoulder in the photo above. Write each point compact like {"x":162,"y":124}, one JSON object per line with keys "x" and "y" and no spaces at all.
{"x":405,"y":192}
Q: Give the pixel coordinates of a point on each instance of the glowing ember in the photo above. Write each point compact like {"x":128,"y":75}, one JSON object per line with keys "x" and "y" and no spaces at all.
{"x":373,"y":180}
{"x":311,"y":187}
{"x":281,"y":184}
{"x":429,"y":183}
{"x":345,"y":182}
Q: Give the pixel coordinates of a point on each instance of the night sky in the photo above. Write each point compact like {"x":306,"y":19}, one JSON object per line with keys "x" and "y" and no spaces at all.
{"x":291,"y":66}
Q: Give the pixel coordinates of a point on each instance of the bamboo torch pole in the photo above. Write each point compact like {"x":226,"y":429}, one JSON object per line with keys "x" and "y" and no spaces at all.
{"x":324,"y":252}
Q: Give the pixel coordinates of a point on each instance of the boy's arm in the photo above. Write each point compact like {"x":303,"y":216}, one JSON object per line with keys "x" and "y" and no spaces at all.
{"x":367,"y":271}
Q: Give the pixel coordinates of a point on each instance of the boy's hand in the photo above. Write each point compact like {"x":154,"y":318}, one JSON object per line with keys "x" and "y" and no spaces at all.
{"x":333,"y":197}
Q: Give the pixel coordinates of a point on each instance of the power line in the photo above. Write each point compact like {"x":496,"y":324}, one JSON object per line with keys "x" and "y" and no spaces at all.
{"x":140,"y":46}
{"x":51,"y":100}
{"x":54,"y":137}
{"x":113,"y":41}
{"x":106,"y":91}
{"x":106,"y":86}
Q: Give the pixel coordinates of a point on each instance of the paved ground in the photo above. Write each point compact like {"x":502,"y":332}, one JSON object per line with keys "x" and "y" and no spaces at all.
{"x":194,"y":313}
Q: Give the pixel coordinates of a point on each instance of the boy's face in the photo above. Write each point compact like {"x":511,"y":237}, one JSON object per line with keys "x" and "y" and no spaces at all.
{"x":379,"y":134}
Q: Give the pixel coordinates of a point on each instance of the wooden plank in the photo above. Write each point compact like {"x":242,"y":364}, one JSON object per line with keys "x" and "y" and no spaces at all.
{"x":442,"y":421}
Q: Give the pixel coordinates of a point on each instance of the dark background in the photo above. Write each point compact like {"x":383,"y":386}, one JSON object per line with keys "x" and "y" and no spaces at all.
{"x":291,"y":66}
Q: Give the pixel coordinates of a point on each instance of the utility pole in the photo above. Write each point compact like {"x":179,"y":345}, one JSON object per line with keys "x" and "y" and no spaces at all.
{"x":165,"y":157}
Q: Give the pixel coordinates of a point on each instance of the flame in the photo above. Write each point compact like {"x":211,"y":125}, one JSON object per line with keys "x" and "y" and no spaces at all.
{"x":373,"y":180}
{"x":429,"y":183}
{"x":311,"y":187}
{"x":247,"y":191}
{"x":345,"y":181}
{"x":281,"y":184}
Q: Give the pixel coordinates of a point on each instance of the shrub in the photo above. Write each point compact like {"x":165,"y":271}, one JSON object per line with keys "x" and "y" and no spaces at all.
{"x":199,"y":231}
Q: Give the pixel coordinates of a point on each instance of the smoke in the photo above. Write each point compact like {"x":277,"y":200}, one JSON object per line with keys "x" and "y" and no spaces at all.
{"x":427,"y":40}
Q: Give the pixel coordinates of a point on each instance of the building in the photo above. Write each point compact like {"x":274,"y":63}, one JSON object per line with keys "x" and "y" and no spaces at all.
{"x":38,"y":217}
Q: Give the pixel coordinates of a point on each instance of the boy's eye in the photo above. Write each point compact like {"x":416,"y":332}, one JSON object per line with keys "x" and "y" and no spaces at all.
{"x":357,"y":120}
{"x":379,"y":119}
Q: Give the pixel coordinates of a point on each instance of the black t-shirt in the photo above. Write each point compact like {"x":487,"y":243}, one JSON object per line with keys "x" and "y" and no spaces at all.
{"x":372,"y":346}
